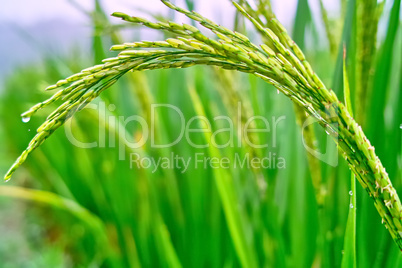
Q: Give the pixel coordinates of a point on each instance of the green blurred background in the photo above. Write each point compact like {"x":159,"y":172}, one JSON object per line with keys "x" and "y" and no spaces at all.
{"x":84,"y":207}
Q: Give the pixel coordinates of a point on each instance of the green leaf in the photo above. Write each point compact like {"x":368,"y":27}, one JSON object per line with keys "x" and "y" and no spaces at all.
{"x":349,"y":248}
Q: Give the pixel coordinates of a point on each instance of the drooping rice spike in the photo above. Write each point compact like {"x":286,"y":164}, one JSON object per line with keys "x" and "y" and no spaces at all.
{"x":281,"y":63}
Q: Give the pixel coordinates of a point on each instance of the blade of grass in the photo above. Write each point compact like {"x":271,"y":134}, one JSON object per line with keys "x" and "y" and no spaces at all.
{"x":329,"y":30}
{"x":227,"y":194}
{"x":349,"y":248}
{"x":346,"y":40}
{"x":366,"y":32}
{"x":97,"y":40}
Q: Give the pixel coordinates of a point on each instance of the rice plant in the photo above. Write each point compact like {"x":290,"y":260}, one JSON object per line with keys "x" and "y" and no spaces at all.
{"x":279,"y":62}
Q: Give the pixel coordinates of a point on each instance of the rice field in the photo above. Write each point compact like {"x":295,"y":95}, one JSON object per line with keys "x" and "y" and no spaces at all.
{"x":243,"y":145}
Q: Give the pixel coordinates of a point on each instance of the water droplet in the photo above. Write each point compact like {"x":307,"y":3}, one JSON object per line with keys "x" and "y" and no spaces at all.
{"x":400,"y":126}
{"x":29,"y":129}
{"x":26,"y":119}
{"x":277,"y":91}
{"x":350,"y":193}
{"x":351,"y":206}
{"x":7,"y":178}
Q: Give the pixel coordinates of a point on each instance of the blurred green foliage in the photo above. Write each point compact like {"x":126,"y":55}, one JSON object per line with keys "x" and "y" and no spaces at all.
{"x":96,"y":210}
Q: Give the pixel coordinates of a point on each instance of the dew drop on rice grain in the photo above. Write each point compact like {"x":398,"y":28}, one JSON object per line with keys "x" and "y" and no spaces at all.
{"x":26,"y":119}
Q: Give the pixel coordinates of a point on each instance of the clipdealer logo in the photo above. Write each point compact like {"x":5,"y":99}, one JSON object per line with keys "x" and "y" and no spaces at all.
{"x":198,"y":132}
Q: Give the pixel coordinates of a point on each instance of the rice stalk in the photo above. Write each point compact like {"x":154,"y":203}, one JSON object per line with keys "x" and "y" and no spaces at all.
{"x":265,"y":11}
{"x":368,"y":14}
{"x":281,"y":63}
{"x":332,"y":40}
{"x":349,"y":256}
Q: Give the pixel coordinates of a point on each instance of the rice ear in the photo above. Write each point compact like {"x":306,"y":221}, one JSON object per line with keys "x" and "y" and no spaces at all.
{"x":280,"y":64}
